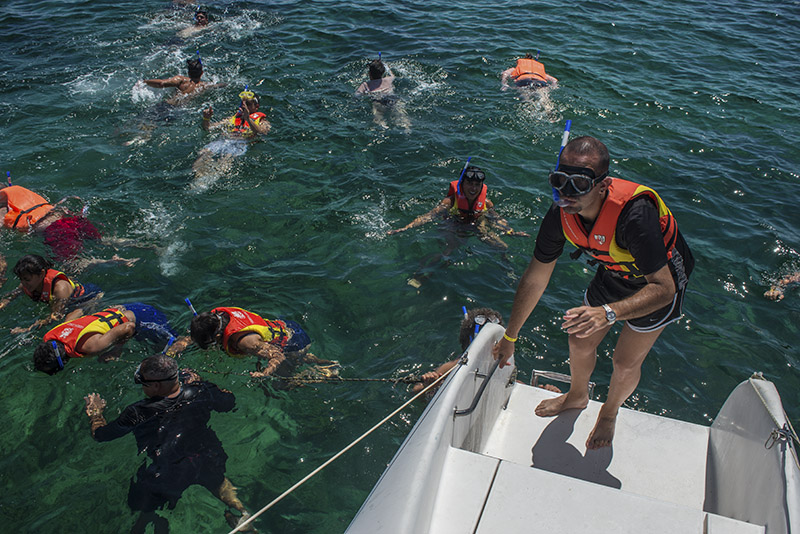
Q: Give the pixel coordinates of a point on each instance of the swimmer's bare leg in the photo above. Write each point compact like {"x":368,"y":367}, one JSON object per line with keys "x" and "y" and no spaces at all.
{"x":126,"y":242}
{"x":227,"y":494}
{"x":582,"y":359}
{"x":492,"y":239}
{"x":79,"y":264}
{"x":402,"y":116}
{"x":377,"y":115}
{"x":142,"y":138}
{"x":200,"y":166}
{"x":629,"y":354}
{"x":207,"y":169}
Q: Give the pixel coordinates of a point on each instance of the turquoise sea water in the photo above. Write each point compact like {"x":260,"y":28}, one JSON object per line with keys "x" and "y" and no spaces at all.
{"x":695,"y":99}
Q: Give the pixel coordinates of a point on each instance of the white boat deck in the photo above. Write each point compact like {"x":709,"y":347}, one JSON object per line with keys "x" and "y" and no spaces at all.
{"x":532,"y":469}
{"x":645,"y":458}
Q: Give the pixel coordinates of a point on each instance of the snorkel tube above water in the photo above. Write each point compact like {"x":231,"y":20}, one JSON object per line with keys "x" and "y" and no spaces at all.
{"x":556,"y":197}
{"x":8,"y":178}
{"x":461,"y":177}
{"x":189,"y":303}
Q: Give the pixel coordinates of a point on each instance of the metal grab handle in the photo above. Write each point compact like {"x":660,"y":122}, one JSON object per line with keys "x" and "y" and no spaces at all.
{"x":481,"y":389}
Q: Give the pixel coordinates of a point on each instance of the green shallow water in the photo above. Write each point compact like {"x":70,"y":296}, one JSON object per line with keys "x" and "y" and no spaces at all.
{"x":695,"y":99}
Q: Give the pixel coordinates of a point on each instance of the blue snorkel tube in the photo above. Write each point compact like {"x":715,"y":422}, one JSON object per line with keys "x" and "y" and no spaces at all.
{"x":169,"y":344}
{"x":189,"y":303}
{"x":460,"y":178}
{"x":8,"y":177}
{"x":564,"y":139}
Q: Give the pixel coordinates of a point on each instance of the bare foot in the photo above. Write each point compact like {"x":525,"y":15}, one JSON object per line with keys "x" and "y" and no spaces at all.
{"x":602,"y":433}
{"x":550,"y":407}
{"x":125,"y":261}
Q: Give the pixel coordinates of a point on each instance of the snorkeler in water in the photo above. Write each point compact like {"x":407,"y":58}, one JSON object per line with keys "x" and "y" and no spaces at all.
{"x":777,"y":290}
{"x":467,"y":205}
{"x":200,"y":23}
{"x":63,"y":231}
{"x":171,"y":425}
{"x":244,"y":126}
{"x":474,"y":320}
{"x":283,"y":344}
{"x":380,"y":89}
{"x":101,"y":334}
{"x":528,"y":72}
{"x":66,"y":297}
{"x":186,"y":86}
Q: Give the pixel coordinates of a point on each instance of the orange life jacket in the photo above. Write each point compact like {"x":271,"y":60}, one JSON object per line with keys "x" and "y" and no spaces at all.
{"x":71,"y":332}
{"x":529,"y":69}
{"x":461,"y":205}
{"x":25,"y":207}
{"x":239,"y":125}
{"x":50,"y":278}
{"x":274,"y":332}
{"x":600,"y":242}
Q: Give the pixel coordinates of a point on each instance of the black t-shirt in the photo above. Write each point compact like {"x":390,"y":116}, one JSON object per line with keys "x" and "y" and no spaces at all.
{"x":638,"y":231}
{"x":170,"y":429}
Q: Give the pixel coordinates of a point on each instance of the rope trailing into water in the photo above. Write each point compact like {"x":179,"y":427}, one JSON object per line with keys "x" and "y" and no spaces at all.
{"x":306,"y":380}
{"x":341,"y":452}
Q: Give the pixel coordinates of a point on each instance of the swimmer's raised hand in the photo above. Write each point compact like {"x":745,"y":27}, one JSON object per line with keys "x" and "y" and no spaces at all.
{"x":208,"y":113}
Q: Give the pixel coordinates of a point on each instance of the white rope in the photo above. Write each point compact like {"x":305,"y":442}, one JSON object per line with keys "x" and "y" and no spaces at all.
{"x":341,"y":452}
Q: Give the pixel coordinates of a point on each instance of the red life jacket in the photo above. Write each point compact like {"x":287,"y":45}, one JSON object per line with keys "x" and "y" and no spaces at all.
{"x":461,"y":205}
{"x":239,"y":125}
{"x":71,"y":332}
{"x":274,"y":332}
{"x":25,"y":207}
{"x":529,"y":69}
{"x":600,"y":242}
{"x":50,"y":278}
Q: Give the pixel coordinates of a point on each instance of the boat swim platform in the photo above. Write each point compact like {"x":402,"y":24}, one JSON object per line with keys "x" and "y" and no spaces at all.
{"x":479,"y":461}
{"x":534,"y":474}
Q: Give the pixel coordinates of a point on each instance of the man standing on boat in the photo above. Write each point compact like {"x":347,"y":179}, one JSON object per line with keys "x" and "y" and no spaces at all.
{"x":644,"y":265}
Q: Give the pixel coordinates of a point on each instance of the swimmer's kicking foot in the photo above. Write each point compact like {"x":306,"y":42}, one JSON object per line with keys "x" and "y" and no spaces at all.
{"x":603,"y":431}
{"x":567,"y":401}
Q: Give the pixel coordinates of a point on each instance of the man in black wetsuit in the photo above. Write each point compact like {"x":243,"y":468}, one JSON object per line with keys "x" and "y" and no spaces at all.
{"x":644,"y":265}
{"x":171,"y":425}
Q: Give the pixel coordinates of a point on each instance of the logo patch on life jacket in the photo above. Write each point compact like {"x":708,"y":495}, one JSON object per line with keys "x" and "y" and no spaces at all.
{"x":238,"y":314}
{"x":600,"y":238}
{"x":479,"y":205}
{"x":65,"y":333}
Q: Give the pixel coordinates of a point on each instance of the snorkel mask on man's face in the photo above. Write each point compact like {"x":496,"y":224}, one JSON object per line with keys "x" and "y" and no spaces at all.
{"x":571,"y":181}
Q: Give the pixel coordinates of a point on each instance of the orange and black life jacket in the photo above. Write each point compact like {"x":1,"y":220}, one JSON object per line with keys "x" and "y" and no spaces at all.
{"x":50,"y":278}
{"x":25,"y":207}
{"x":461,"y":205}
{"x":600,"y":241}
{"x":274,"y":332}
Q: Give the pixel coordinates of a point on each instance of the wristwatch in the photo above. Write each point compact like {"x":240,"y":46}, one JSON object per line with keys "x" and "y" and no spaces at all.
{"x":611,"y":317}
